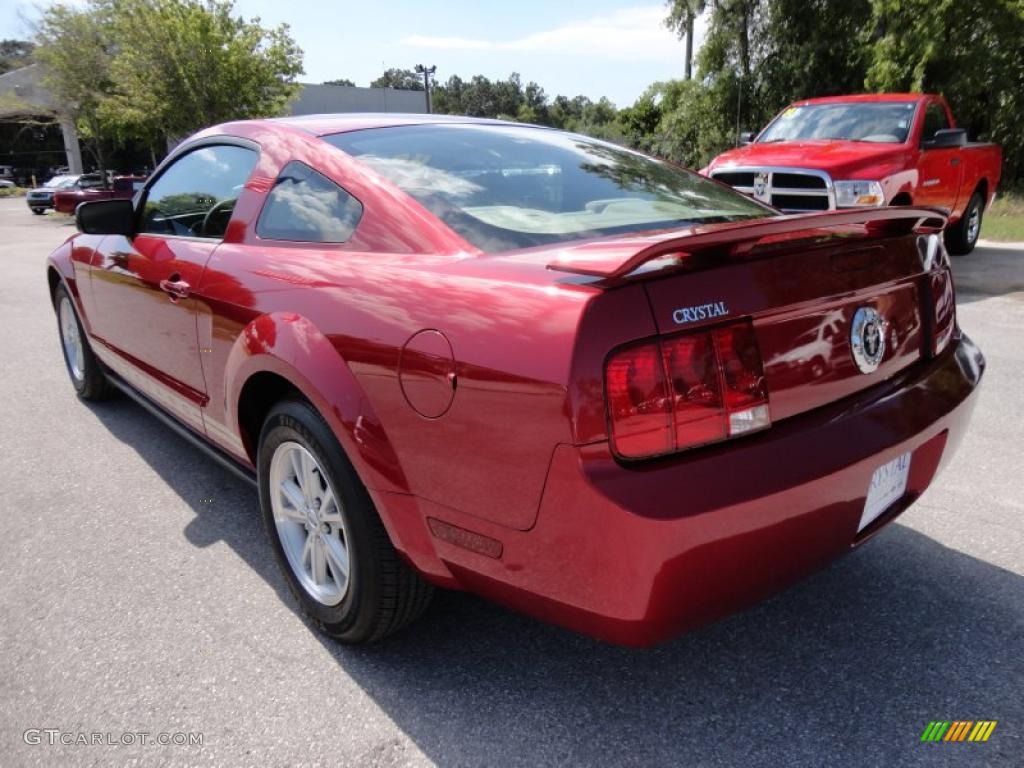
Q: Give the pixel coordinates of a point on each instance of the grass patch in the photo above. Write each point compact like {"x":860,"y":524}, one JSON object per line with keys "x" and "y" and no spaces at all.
{"x":1004,"y":221}
{"x":12,"y":191}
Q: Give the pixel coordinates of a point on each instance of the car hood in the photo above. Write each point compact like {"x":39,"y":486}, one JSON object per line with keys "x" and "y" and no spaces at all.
{"x":840,"y":159}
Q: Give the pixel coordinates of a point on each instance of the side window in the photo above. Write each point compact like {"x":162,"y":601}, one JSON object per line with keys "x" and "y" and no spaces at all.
{"x":934,"y":120}
{"x":196,"y":195}
{"x":308,"y":207}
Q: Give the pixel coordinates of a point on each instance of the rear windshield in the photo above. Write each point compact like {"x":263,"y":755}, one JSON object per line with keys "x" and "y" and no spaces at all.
{"x":881,"y":122}
{"x":505,"y":187}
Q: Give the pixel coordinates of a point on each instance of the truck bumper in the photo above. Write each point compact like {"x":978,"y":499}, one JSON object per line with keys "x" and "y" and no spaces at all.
{"x":637,"y":554}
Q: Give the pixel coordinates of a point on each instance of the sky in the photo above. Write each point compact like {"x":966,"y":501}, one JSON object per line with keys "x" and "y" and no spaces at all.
{"x":595,"y":48}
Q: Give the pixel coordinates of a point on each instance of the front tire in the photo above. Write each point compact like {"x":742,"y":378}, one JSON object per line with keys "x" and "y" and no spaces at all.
{"x":963,"y":236}
{"x":325,"y":532}
{"x":84,"y":370}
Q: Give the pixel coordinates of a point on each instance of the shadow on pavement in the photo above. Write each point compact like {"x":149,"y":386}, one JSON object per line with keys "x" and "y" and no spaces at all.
{"x":847,"y":668}
{"x":992,"y":269}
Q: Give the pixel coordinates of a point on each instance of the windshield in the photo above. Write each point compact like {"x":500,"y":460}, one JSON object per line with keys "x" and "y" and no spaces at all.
{"x":504,"y":187}
{"x":60,"y":182}
{"x":883,"y":122}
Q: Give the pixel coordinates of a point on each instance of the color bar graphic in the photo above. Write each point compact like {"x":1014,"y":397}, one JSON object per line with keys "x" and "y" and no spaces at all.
{"x":958,"y":730}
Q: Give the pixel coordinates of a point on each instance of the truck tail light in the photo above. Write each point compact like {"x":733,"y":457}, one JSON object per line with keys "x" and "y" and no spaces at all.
{"x":680,"y":392}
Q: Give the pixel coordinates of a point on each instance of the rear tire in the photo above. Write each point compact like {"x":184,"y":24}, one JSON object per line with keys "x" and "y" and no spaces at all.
{"x":325,"y":532}
{"x":963,"y":236}
{"x":84,"y":370}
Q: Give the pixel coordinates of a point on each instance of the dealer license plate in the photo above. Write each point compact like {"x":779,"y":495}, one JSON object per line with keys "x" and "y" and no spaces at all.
{"x":888,"y":483}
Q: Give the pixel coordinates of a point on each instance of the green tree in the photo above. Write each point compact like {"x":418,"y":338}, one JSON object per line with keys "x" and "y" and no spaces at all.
{"x":732,"y":32}
{"x":811,"y":48}
{"x":447,"y":97}
{"x":15,"y":54}
{"x":641,"y":120}
{"x":185,"y":64}
{"x":399,"y":79}
{"x":76,"y":49}
{"x":758,"y":56}
{"x":340,"y":81}
{"x":682,"y":16}
{"x":968,"y":50}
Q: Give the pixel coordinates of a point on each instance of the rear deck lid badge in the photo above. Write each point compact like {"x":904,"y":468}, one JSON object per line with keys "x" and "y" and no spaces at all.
{"x":698,"y":312}
{"x":867,"y":339}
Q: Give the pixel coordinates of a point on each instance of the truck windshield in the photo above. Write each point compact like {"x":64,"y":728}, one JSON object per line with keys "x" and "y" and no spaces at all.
{"x":883,"y":122}
{"x":504,"y":187}
{"x":61,"y":182}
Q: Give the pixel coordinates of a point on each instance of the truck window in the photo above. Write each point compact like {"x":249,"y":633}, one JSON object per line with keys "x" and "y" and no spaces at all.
{"x":935,"y":119}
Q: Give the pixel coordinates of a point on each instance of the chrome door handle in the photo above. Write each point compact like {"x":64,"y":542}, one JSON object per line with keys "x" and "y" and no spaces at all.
{"x":175,"y":287}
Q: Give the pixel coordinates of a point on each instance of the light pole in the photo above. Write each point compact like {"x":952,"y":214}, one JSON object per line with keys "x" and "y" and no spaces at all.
{"x":427,"y":73}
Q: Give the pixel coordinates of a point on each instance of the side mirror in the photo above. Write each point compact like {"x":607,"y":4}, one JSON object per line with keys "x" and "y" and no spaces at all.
{"x":946,"y":138}
{"x":747,"y":137}
{"x":105,"y":217}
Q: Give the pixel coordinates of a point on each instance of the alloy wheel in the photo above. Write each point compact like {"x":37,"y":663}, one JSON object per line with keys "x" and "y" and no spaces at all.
{"x":973,"y":224}
{"x":71,"y":339}
{"x":310,"y":523}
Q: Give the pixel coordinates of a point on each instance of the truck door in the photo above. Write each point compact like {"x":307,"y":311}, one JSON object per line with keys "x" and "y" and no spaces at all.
{"x":939,"y":168}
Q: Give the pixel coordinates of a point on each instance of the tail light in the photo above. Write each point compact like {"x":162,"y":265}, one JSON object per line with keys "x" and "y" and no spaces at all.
{"x":680,"y":392}
{"x":939,"y":291}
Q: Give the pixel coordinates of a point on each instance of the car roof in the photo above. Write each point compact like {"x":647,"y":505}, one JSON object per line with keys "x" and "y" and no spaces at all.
{"x":322,"y":125}
{"x":863,"y":97}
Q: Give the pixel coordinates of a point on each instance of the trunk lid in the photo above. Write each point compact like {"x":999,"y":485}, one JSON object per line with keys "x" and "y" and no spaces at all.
{"x":814,"y":287}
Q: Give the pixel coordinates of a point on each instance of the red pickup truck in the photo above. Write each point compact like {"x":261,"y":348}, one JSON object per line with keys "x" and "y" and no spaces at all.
{"x":866,"y":151}
{"x":66,"y":200}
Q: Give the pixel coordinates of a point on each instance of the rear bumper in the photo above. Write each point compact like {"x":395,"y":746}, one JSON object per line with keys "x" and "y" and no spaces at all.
{"x":635,"y":555}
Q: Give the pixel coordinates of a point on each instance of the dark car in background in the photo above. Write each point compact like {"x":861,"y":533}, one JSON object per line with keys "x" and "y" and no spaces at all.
{"x":66,"y":200}
{"x":41,"y":198}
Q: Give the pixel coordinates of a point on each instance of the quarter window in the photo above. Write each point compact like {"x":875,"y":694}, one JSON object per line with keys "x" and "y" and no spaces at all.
{"x":306,"y":206}
{"x":196,"y":195}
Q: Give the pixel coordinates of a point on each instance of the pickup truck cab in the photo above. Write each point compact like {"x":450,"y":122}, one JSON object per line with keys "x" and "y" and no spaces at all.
{"x":868,"y":150}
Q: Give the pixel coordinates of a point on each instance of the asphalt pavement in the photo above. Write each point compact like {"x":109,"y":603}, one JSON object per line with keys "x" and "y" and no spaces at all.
{"x":139,"y":595}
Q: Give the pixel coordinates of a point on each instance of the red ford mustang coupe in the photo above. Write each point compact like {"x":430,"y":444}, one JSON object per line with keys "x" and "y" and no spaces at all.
{"x":582,"y":382}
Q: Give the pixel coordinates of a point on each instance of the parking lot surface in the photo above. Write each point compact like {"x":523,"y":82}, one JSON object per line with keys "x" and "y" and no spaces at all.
{"x":138,"y":594}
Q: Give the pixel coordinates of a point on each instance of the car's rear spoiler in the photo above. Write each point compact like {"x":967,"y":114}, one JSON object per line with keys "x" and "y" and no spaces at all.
{"x":618,"y":257}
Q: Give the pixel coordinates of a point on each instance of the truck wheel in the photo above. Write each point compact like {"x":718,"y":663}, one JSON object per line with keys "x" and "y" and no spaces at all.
{"x":963,"y":236}
{"x":38,"y":211}
{"x":326,"y":535}
{"x":84,"y":369}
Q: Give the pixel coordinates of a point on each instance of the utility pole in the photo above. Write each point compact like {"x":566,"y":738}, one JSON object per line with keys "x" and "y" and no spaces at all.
{"x":427,"y":73}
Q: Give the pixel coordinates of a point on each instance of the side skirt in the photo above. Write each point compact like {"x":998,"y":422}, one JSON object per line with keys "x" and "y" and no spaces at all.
{"x":229,"y":463}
